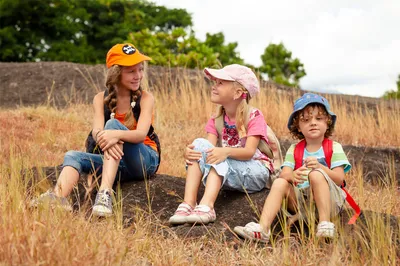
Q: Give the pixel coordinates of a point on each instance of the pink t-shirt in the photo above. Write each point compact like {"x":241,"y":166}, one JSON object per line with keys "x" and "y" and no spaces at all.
{"x":230,"y":135}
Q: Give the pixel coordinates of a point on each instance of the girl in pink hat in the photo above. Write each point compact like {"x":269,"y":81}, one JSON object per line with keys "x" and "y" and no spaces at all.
{"x":229,"y":157}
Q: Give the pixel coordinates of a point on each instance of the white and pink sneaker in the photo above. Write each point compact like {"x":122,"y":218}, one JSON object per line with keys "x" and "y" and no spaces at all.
{"x":181,"y":213}
{"x":202,"y":214}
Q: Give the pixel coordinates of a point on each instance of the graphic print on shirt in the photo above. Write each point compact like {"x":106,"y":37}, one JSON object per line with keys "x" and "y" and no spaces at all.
{"x":230,"y":136}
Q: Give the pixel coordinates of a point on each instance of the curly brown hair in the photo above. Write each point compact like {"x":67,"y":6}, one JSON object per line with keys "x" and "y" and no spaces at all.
{"x":294,"y":128}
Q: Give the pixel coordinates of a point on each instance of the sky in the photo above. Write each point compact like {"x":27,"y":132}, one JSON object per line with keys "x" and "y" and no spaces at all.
{"x":350,"y":47}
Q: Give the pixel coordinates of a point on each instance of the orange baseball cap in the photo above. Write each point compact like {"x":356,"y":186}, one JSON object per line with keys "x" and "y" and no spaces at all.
{"x":124,"y":54}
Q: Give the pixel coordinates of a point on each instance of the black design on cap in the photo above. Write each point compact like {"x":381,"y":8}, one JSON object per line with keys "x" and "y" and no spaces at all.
{"x":128,"y":49}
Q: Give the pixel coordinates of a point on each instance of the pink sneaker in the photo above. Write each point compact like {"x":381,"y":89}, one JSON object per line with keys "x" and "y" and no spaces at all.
{"x":181,"y":213}
{"x":202,"y":214}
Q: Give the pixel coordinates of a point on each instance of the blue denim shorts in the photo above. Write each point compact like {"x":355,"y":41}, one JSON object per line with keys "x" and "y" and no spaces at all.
{"x":250,"y":176}
{"x":139,"y":160}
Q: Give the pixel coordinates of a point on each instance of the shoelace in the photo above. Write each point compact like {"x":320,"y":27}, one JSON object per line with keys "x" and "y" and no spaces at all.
{"x":104,"y":198}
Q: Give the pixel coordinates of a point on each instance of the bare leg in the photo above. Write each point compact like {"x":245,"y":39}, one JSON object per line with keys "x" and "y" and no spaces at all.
{"x":192,"y":184}
{"x":68,"y":178}
{"x":280,"y":189}
{"x":110,"y":168}
{"x":322,"y":197}
{"x":213,"y":186}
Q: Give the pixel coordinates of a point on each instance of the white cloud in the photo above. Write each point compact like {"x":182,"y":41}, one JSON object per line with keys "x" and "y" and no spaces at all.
{"x":347,"y":46}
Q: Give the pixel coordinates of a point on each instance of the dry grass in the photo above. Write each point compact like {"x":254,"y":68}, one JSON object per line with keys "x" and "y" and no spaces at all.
{"x":40,"y":136}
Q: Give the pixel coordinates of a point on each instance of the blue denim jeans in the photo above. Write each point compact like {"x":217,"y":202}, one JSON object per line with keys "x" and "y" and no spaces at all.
{"x":139,"y":160}
{"x":250,"y":176}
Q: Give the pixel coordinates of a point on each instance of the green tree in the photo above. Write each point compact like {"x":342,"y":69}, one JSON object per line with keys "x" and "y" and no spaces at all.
{"x":112,"y":21}
{"x":226,"y":54}
{"x":175,"y":48}
{"x":42,"y":30}
{"x":280,"y":67}
{"x":393,"y":94}
{"x":179,"y":47}
{"x":77,"y":31}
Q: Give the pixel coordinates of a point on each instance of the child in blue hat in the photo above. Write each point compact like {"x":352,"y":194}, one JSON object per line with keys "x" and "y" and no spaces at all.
{"x":313,"y":171}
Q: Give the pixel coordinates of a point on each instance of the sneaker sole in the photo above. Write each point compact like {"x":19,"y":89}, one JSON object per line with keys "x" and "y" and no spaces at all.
{"x":177,"y":221}
{"x":198,"y":219}
{"x":100,"y":213}
{"x":51,"y":206}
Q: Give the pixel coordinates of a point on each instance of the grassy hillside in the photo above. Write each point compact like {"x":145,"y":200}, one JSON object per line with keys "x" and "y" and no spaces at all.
{"x":39,"y":136}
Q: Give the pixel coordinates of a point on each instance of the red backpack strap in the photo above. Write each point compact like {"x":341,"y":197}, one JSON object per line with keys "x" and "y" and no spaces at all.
{"x":299,"y":153}
{"x":353,"y":205}
{"x":327,"y":145}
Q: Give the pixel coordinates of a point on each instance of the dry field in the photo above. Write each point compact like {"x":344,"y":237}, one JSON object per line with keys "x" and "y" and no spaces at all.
{"x":39,"y":136}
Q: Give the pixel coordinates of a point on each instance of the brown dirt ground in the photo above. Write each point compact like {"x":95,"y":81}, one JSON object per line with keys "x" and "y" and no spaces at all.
{"x":26,"y":84}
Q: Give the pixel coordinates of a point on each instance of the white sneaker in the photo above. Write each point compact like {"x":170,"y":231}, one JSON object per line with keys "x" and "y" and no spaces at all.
{"x":202,"y":214}
{"x":253,"y":231}
{"x":181,"y":213}
{"x":103,"y":204}
{"x":50,"y":198}
{"x":326,"y":229}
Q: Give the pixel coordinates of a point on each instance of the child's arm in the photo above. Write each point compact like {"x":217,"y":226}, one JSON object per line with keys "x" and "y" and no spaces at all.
{"x":98,"y":117}
{"x":218,"y":154}
{"x":212,"y":139}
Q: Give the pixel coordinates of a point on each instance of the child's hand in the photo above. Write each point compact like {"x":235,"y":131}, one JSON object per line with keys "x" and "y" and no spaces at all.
{"x":115,"y":152}
{"x":107,"y":139}
{"x":191,"y":155}
{"x":216,"y":155}
{"x":312,"y":162}
{"x":299,"y":174}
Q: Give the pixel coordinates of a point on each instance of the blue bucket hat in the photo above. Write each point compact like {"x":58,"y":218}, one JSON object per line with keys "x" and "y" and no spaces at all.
{"x":305,"y":100}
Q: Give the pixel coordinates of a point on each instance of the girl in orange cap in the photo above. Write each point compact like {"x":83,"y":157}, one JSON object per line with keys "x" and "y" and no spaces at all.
{"x":122,"y":142}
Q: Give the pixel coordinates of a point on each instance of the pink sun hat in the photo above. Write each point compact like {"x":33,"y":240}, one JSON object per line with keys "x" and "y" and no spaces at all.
{"x":241,"y":74}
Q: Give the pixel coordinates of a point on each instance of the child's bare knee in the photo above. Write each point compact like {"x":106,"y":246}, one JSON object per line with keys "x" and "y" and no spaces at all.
{"x":316,"y":177}
{"x":280,"y":183}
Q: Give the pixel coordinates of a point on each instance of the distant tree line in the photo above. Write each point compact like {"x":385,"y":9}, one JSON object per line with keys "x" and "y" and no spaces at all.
{"x":393,"y":94}
{"x":83,"y":31}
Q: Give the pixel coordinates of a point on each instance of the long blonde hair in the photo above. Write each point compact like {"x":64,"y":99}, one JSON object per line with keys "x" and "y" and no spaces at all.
{"x":112,"y":80}
{"x":242,"y":111}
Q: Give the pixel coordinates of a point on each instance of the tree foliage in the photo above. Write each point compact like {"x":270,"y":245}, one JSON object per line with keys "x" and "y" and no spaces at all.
{"x":226,"y":54}
{"x":77,"y":31}
{"x":393,"y":94}
{"x":182,"y":48}
{"x":280,"y":67}
{"x":83,"y":31}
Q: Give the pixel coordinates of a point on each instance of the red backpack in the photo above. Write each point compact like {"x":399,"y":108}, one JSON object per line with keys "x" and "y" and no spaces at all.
{"x":327,"y":146}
